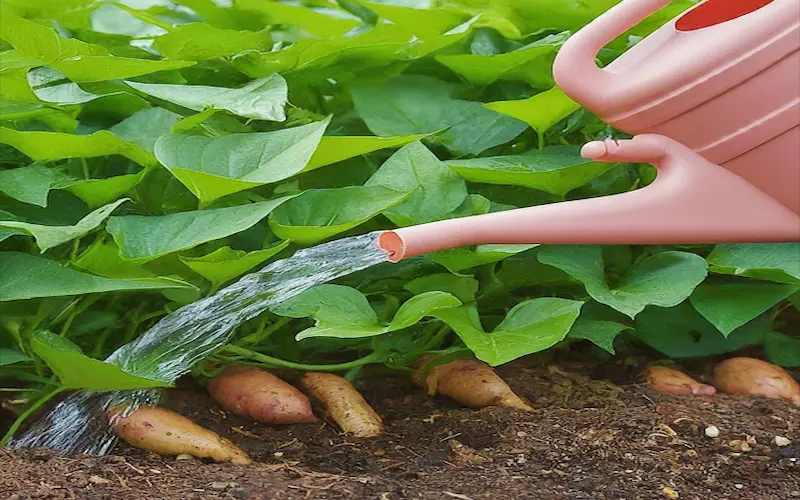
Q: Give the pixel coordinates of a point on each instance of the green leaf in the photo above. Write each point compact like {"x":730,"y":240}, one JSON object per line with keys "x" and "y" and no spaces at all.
{"x":462,"y":287}
{"x":541,"y":111}
{"x":530,"y":326}
{"x":9,"y":357}
{"x":44,"y":146}
{"x":782,"y":349}
{"x":346,"y":57}
{"x":680,"y":332}
{"x":103,"y":259}
{"x":344,"y":312}
{"x":665,"y":279}
{"x":414,"y":104}
{"x":600,"y":333}
{"x":423,"y":22}
{"x":24,"y":276}
{"x":144,"y":127}
{"x":39,"y":42}
{"x":333,"y":149}
{"x":213,"y":167}
{"x":435,"y":190}
{"x":312,"y":21}
{"x":184,"y":125}
{"x":730,"y":305}
{"x":75,"y":370}
{"x":420,"y":306}
{"x":318,"y":214}
{"x":200,"y":41}
{"x":50,"y":85}
{"x":98,"y":192}
{"x":530,"y":64}
{"x":50,"y":236}
{"x":99,"y":68}
{"x":78,"y":61}
{"x":262,"y":99}
{"x":778,"y":262}
{"x":556,"y":169}
{"x":459,"y":259}
{"x":224,"y":264}
{"x":30,"y":184}
{"x":145,"y":238}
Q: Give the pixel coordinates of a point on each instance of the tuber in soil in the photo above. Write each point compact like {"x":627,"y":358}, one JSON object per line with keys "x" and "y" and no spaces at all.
{"x":168,"y":433}
{"x":672,"y":381}
{"x":343,"y":403}
{"x":756,"y":378}
{"x":470,"y":382}
{"x":250,"y":392}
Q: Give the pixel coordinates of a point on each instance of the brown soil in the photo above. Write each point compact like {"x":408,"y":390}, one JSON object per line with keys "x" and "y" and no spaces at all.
{"x":604,"y":437}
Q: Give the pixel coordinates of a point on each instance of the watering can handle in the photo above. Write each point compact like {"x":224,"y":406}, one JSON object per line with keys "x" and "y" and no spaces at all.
{"x":575,"y":70}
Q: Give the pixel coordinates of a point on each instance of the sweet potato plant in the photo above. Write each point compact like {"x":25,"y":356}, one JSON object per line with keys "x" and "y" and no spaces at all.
{"x":153,"y":151}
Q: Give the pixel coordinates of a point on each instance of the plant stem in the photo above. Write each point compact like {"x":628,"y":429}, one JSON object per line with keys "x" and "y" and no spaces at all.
{"x":269,"y":360}
{"x":262,"y":332}
{"x":437,"y":339}
{"x":27,"y":413}
{"x":352,"y":373}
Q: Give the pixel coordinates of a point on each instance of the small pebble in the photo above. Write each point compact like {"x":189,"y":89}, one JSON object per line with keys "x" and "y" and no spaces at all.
{"x":669,"y":493}
{"x":738,"y":486}
{"x":221,"y":485}
{"x":522,"y":434}
{"x":781,"y":441}
{"x":795,"y":494}
{"x":712,"y":431}
{"x":278,"y":454}
{"x":739,"y":445}
{"x":184,"y":456}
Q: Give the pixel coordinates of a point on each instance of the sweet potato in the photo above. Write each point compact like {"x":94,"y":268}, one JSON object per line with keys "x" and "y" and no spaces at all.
{"x":250,"y":392}
{"x":168,"y":433}
{"x":343,"y":403}
{"x":472,"y":383}
{"x":672,"y":381}
{"x":756,"y":378}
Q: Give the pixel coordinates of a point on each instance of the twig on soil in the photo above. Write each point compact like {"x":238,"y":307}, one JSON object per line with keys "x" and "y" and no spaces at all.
{"x":456,"y":495}
{"x":655,"y":406}
{"x":243,"y":432}
{"x":140,"y":471}
{"x":451,"y":436}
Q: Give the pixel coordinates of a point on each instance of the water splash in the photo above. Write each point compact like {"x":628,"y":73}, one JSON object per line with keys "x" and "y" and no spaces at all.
{"x":173,"y":345}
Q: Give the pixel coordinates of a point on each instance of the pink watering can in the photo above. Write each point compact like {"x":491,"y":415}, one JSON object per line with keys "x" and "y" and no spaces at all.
{"x":713,"y":99}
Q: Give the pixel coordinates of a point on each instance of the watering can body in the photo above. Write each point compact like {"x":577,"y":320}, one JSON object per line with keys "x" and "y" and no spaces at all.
{"x":723,"y":78}
{"x":713,"y":100}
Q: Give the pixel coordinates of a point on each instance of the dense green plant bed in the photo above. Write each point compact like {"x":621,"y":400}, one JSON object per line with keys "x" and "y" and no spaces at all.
{"x":154,"y":151}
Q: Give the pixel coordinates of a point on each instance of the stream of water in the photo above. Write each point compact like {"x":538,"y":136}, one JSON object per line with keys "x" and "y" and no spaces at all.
{"x":179,"y":340}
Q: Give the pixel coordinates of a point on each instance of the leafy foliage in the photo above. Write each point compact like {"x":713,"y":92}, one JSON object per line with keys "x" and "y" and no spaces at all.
{"x":150,"y":156}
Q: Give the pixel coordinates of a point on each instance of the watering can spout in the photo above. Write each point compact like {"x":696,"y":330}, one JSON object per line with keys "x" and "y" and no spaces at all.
{"x":575,"y":70}
{"x":692,"y":201}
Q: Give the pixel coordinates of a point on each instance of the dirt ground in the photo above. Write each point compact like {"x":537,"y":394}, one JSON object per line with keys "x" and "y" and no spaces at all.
{"x":597,"y":433}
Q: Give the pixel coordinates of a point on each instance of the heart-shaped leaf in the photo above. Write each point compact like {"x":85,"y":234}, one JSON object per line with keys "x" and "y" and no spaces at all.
{"x":213,"y":167}
{"x":530,"y":326}
{"x":344,"y":312}
{"x":664,"y":279}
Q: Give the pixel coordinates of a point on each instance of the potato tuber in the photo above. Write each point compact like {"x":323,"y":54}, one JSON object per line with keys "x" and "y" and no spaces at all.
{"x":168,"y":433}
{"x":343,"y":403}
{"x":250,"y":392}
{"x":470,"y":382}
{"x":672,"y":381}
{"x":756,"y":378}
